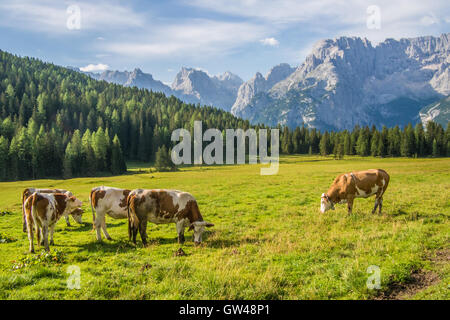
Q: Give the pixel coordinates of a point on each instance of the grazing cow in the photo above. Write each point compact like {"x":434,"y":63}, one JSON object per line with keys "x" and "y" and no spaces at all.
{"x":107,"y":200}
{"x":43,"y":210}
{"x":164,"y":206}
{"x":29,"y":191}
{"x":361,"y":184}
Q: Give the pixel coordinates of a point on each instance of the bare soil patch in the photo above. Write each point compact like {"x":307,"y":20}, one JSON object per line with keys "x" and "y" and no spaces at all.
{"x":419,"y":281}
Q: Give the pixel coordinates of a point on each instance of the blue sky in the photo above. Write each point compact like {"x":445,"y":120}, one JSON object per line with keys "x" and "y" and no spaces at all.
{"x":241,"y":36}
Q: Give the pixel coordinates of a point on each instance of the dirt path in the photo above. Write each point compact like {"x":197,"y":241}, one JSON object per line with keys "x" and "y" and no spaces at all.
{"x":419,"y":281}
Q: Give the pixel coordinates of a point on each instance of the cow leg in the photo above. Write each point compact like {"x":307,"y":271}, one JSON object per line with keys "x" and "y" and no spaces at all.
{"x":143,"y":230}
{"x":52,"y":229}
{"x":380,"y":204}
{"x":377,"y":201}
{"x":350,"y":204}
{"x":66,"y":217}
{"x":104,"y":229}
{"x":45,"y":236}
{"x":98,"y":224}
{"x":24,"y":219}
{"x":30,"y":236}
{"x":180,"y":231}
{"x":42,"y":236}
{"x":38,"y":235}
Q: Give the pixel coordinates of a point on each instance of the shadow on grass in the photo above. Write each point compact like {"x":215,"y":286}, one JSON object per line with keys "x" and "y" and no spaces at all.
{"x":87,"y":226}
{"x":111,"y":246}
{"x":398,"y":212}
{"x":227,"y":243}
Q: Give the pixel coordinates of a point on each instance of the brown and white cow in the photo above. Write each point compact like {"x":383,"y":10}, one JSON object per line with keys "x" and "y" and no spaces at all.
{"x":359,"y":184}
{"x":29,"y":191}
{"x":162,"y":206}
{"x":43,"y":210}
{"x":107,"y":200}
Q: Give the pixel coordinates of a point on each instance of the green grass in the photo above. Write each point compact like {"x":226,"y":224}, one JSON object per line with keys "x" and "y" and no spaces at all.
{"x":269,"y":239}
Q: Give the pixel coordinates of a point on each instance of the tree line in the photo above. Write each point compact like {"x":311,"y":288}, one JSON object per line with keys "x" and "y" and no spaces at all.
{"x":410,"y":141}
{"x":55,"y":122}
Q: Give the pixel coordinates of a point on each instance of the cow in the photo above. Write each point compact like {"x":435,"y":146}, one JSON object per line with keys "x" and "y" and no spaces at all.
{"x":162,"y":206}
{"x":359,"y":184}
{"x":29,"y":191}
{"x":43,"y":210}
{"x":107,"y":200}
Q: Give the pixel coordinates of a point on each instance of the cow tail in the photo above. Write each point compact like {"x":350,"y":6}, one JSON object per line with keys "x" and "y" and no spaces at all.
{"x":91,"y":200}
{"x":133,"y":220}
{"x":24,"y":221}
{"x":33,"y":213}
{"x":129,"y":216}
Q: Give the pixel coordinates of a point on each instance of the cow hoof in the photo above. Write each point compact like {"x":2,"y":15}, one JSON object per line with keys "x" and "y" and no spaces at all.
{"x":109,"y":238}
{"x":31,"y":251}
{"x":52,"y":243}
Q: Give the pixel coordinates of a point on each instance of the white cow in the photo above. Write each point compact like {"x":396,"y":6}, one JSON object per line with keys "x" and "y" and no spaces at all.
{"x":107,"y":200}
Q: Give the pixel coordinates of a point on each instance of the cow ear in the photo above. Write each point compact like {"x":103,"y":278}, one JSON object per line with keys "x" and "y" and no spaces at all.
{"x":323,"y":195}
{"x":191,"y":227}
{"x":72,"y":198}
{"x":209,"y":224}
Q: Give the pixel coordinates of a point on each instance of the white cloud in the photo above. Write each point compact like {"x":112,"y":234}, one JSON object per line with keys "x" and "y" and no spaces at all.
{"x":429,"y":20}
{"x":50,"y":16}
{"x":401,"y":18}
{"x":195,"y":38}
{"x":269,"y":42}
{"x":94,"y":67}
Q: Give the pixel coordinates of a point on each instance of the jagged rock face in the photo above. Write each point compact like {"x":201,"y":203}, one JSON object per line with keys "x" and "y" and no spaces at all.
{"x":197,"y":86}
{"x":190,"y":85}
{"x":347,"y":81}
{"x":259,"y":84}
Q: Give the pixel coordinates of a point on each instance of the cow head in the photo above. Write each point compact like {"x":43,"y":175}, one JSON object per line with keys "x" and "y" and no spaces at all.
{"x":73,"y":206}
{"x":199,"y":228}
{"x":325,"y":203}
{"x":77,"y":215}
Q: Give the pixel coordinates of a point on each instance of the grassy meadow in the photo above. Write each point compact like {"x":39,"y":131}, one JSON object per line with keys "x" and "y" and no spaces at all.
{"x":269,"y":241}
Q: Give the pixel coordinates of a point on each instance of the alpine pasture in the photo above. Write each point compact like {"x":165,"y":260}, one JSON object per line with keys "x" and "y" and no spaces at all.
{"x":269,"y":240}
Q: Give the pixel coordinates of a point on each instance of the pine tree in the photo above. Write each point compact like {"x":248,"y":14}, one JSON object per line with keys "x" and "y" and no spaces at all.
{"x":324,"y":144}
{"x":4,"y":149}
{"x":67,"y":170}
{"x":163,"y":161}
{"x":118,"y":165}
{"x":347,"y":143}
{"x":88,"y":155}
{"x":408,"y":142}
{"x":362,"y":144}
{"x":435,"y":152}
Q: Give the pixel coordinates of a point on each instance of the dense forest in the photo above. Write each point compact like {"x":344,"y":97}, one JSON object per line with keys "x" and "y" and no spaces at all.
{"x":55,"y":122}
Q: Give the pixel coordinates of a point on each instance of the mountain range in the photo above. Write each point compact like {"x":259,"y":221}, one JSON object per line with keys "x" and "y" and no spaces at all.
{"x":190,"y":85}
{"x":342,"y":82}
